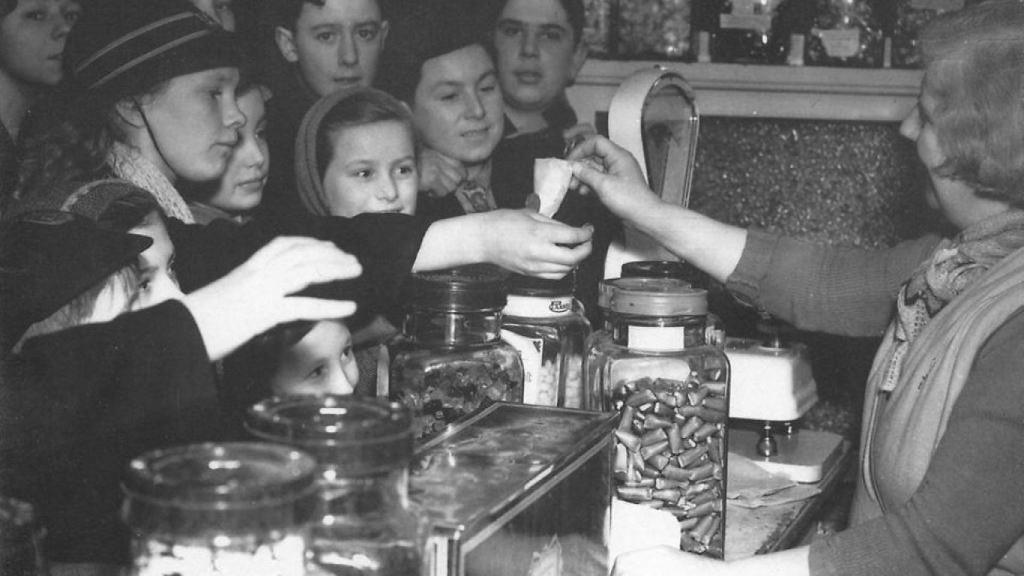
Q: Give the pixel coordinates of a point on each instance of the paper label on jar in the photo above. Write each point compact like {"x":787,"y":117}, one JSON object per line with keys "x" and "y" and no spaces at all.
{"x":839,"y":43}
{"x":657,"y":339}
{"x":937,"y":5}
{"x":538,"y":387}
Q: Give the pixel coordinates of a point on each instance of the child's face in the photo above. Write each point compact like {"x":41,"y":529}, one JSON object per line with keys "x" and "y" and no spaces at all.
{"x":241,"y":188}
{"x":321,"y":363}
{"x":195,"y":121}
{"x":538,"y":55}
{"x":220,"y":10}
{"x":32,"y":40}
{"x":373,"y":169}
{"x":156,"y":280}
{"x":336,"y":45}
{"x":457,"y":108}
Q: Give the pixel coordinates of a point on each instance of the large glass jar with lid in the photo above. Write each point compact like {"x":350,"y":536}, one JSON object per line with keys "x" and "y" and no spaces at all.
{"x":544,"y":323}
{"x":449,"y":359}
{"x":231,"y":509}
{"x":367,"y":526}
{"x":714,"y":331}
{"x":671,"y":390}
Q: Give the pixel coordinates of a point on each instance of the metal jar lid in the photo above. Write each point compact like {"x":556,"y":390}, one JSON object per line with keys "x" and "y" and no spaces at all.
{"x":521,"y":285}
{"x":353,"y":435}
{"x":465,"y":289}
{"x":652,"y":297}
{"x":656,"y":269}
{"x":221,"y":476}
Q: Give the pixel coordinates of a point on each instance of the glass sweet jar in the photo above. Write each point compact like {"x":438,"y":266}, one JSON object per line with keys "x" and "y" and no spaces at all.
{"x":544,"y":323}
{"x":845,"y":33}
{"x":231,"y":509}
{"x":449,"y":360}
{"x":714,"y":331}
{"x":21,"y":539}
{"x":363,"y":446}
{"x":671,"y":391}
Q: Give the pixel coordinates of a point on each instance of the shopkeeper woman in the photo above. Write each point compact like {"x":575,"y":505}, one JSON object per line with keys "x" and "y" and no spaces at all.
{"x":942,"y":446}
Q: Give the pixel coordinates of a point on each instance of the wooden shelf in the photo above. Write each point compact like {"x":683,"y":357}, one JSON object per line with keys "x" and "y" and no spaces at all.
{"x":750,"y":91}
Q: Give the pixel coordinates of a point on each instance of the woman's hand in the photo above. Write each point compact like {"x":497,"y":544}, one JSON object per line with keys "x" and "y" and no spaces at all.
{"x":518,"y":240}
{"x":613,"y":174}
{"x":439,"y":174}
{"x":257,"y":295}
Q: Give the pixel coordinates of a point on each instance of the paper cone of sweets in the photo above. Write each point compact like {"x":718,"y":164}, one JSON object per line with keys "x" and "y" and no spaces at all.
{"x":551,"y":177}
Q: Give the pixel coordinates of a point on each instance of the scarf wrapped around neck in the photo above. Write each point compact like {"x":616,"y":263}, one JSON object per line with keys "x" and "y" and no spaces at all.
{"x":946,"y":312}
{"x":128,"y":164}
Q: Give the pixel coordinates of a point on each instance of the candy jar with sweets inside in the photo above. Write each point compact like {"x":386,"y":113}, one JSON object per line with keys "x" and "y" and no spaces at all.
{"x":744,"y":31}
{"x":546,"y":325}
{"x":220,"y":510}
{"x":671,"y":391}
{"x":362,"y":446}
{"x":911,"y":17}
{"x":449,"y":360}
{"x":845,"y":34}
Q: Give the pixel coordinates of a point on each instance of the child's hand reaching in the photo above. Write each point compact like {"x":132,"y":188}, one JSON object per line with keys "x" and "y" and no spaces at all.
{"x":527,"y":243}
{"x":257,"y":295}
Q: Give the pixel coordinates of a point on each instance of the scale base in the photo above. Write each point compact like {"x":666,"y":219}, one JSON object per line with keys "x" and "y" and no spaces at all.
{"x":802,"y":456}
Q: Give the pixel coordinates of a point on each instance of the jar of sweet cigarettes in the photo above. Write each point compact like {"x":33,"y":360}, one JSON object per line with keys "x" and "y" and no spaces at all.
{"x":449,"y":359}
{"x":714,"y":327}
{"x":671,"y":390}
{"x":367,"y":526}
{"x":233,"y":509}
{"x":544,"y":323}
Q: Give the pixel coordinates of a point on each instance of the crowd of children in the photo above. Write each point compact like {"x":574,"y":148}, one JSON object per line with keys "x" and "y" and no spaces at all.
{"x":183,"y":230}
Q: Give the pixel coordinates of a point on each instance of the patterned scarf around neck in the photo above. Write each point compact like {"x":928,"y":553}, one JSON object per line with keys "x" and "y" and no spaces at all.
{"x":955,"y":265}
{"x":128,"y":164}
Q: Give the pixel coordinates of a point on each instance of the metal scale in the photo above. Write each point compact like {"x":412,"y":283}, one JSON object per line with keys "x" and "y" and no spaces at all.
{"x":653,"y":115}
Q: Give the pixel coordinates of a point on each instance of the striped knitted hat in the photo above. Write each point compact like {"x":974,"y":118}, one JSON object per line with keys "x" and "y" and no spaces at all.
{"x":122,"y":47}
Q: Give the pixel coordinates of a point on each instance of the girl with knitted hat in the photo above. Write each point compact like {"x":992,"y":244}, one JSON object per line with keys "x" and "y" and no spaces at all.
{"x":942,"y":438}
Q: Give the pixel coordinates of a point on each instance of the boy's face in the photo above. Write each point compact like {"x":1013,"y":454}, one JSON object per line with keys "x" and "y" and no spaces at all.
{"x":373,"y":169}
{"x":336,"y":45}
{"x":156,"y":279}
{"x":538,"y":55}
{"x":241,"y":188}
{"x":32,"y":40}
{"x":321,"y":363}
{"x":457,"y":108}
{"x":219,"y":10}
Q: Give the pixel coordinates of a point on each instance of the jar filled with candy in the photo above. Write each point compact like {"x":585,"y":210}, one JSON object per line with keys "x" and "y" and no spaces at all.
{"x":450,"y":359}
{"x":213,"y":509}
{"x":21,"y":539}
{"x":744,"y":31}
{"x":911,"y":17}
{"x":845,"y":33}
{"x":671,"y":391}
{"x":653,"y":28}
{"x":545,"y":324}
{"x":367,"y":526}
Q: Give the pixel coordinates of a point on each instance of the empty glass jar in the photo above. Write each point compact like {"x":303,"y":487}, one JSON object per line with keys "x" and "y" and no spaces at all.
{"x":362,"y":448}
{"x":544,"y":323}
{"x":449,"y":359}
{"x":232,"y":509}
{"x":671,"y":390}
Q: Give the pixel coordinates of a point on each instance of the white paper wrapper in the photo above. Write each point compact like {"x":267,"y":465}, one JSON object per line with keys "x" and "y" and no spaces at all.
{"x":551,"y":177}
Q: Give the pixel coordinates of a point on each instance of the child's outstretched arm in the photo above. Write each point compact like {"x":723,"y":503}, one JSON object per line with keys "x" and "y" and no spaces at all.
{"x":518,"y":240}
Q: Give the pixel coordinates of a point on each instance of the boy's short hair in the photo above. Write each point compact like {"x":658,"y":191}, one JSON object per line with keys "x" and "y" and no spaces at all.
{"x":574,"y":10}
{"x":286,"y":12}
{"x":428,"y":29}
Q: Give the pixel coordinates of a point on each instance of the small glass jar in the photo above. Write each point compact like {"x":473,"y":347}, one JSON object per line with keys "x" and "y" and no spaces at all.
{"x":715,"y":327}
{"x":911,"y":18}
{"x":449,"y":359}
{"x":744,"y":31}
{"x":844,"y":33}
{"x":220,"y":509}
{"x":671,"y":390}
{"x":544,"y":323}
{"x":21,"y":540}
{"x":653,"y":29}
{"x":363,"y":447}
